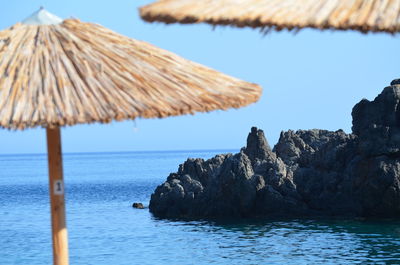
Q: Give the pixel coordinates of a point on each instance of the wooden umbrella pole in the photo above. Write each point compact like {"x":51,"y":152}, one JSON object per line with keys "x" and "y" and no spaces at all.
{"x":58,"y":224}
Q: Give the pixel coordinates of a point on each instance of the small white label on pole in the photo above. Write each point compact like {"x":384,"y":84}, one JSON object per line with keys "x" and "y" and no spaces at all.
{"x":58,"y":187}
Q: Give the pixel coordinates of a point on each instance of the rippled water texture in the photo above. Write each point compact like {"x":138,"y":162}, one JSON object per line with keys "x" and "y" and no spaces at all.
{"x":105,"y":229}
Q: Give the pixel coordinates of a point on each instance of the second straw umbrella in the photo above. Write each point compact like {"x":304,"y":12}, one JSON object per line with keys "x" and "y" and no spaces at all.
{"x":361,"y":15}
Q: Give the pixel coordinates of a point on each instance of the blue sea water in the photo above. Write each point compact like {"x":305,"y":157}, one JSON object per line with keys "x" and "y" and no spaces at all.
{"x":104,"y":229}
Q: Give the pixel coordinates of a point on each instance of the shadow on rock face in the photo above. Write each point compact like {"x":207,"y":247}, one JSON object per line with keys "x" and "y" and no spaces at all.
{"x":308,"y":172}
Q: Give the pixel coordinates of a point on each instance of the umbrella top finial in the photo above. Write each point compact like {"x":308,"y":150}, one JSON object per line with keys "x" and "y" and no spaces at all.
{"x":42,"y":17}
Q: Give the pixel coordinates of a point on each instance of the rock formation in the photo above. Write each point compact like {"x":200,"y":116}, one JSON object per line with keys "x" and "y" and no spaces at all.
{"x":308,"y":173}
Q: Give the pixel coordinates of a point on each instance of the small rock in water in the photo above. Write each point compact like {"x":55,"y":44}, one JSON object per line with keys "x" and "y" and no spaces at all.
{"x":138,"y":205}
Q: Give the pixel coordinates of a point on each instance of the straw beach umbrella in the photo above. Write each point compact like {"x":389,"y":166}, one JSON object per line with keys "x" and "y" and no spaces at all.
{"x":362,"y":15}
{"x":56,"y":72}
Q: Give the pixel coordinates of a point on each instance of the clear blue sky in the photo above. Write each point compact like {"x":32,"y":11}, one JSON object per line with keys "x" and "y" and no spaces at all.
{"x":311,"y":80}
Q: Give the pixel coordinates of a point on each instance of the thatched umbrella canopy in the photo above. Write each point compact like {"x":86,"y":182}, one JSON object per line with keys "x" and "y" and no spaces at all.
{"x":361,"y":15}
{"x":56,"y":72}
{"x":76,"y":72}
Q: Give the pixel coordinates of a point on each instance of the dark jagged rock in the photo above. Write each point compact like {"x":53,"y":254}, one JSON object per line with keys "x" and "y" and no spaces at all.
{"x":308,"y":172}
{"x":377,"y":123}
{"x":257,"y":146}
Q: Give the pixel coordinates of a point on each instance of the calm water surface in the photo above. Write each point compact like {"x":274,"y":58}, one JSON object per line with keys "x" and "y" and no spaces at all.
{"x":105,"y":229}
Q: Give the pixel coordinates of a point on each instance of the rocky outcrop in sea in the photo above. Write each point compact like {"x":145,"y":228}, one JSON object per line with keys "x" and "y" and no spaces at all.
{"x":307,"y":173}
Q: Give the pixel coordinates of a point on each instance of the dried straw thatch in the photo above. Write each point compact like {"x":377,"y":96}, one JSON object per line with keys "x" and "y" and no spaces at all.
{"x":361,"y":15}
{"x":76,"y":72}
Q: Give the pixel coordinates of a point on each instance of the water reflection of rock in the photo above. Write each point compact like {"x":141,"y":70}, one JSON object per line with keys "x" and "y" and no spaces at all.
{"x":308,"y":173}
{"x":306,"y":241}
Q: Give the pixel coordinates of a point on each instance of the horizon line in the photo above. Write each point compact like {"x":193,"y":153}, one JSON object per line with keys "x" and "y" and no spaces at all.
{"x":138,"y":151}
